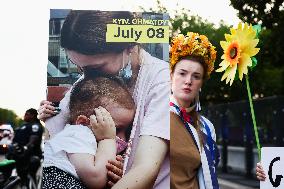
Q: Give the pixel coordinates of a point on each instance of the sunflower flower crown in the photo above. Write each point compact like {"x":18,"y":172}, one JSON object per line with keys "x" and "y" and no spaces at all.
{"x":192,"y":44}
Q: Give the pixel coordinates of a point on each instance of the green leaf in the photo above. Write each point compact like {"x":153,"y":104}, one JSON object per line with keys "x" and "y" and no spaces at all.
{"x":254,"y":62}
{"x":257,"y":29}
{"x":236,"y":76}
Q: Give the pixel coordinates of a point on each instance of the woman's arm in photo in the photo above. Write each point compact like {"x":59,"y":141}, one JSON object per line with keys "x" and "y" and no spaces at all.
{"x":150,"y":153}
{"x":54,"y":121}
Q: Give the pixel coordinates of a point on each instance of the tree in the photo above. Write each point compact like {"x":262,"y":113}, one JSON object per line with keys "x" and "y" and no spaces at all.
{"x":9,"y":117}
{"x":265,"y":12}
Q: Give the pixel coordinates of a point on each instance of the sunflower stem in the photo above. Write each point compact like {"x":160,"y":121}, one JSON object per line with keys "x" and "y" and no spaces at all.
{"x":253,"y":118}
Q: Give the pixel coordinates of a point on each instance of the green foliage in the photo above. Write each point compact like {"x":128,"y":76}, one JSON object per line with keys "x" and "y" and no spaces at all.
{"x":257,"y":28}
{"x":254,"y":62}
{"x":9,"y":117}
{"x":270,"y":14}
{"x":265,"y":12}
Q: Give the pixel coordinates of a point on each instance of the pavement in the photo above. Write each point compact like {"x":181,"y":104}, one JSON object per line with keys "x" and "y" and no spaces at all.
{"x":236,"y":181}
{"x":224,"y":184}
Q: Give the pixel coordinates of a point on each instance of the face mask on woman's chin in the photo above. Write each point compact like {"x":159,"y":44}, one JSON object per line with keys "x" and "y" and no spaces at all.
{"x":126,"y":73}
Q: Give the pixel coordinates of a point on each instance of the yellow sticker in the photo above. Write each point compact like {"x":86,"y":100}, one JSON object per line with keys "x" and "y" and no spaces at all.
{"x":137,"y":33}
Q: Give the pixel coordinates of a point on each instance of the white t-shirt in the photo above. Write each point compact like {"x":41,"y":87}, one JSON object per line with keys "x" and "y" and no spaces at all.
{"x":72,"y":139}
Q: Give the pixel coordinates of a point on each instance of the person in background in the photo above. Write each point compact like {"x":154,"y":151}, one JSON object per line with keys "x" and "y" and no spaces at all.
{"x":26,"y":146}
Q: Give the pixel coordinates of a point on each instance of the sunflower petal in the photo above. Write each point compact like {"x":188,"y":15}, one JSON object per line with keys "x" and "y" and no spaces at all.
{"x":228,"y":37}
{"x":232,"y":74}
{"x":249,"y":47}
{"x":223,"y":66}
{"x":225,"y":75}
{"x":254,"y":42}
{"x":245,"y":61}
{"x":224,"y":44}
{"x":253,"y":51}
{"x":229,"y":74}
{"x":233,"y":32}
{"x":251,"y":35}
{"x":240,"y":26}
{"x":246,"y":27}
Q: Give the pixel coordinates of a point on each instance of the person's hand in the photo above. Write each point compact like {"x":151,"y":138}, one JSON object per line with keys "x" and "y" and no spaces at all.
{"x":46,"y":110}
{"x":260,"y":175}
{"x":115,"y":170}
{"x":102,"y":124}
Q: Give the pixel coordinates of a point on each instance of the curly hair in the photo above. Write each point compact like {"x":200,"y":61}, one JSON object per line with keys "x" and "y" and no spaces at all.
{"x":92,"y":92}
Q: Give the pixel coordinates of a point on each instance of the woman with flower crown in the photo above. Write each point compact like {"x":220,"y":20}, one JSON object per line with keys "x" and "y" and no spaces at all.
{"x":193,"y":152}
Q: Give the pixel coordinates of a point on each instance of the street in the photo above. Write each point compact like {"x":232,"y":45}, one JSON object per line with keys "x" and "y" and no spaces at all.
{"x":224,"y":184}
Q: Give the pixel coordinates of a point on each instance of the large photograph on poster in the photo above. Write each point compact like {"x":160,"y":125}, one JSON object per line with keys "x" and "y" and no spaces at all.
{"x":108,"y":85}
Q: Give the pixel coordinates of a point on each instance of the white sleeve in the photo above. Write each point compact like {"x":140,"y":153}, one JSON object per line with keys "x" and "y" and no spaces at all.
{"x":75,"y":139}
{"x":156,"y":121}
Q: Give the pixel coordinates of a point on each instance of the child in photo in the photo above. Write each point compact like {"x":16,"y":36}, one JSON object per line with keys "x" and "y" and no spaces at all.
{"x":77,"y":156}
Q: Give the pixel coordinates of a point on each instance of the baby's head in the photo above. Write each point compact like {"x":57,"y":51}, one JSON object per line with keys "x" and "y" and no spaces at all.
{"x":90,"y":93}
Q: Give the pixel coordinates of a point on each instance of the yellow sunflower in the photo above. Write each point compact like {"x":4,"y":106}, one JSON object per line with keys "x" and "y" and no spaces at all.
{"x":238,"y":48}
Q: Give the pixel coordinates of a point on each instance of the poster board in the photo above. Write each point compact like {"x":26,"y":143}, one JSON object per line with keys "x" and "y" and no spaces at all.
{"x":273,"y":165}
